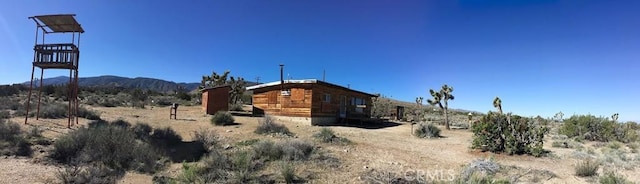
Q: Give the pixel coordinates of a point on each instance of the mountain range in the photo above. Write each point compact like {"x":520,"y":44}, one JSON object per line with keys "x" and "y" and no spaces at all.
{"x":117,"y":81}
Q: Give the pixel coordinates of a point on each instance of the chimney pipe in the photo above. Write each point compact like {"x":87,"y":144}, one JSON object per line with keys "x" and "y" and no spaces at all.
{"x":281,"y":77}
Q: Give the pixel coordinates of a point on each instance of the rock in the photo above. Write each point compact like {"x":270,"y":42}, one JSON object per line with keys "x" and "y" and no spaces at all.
{"x":228,"y":146}
{"x":365,"y":167}
{"x":346,"y":151}
{"x":229,"y":131}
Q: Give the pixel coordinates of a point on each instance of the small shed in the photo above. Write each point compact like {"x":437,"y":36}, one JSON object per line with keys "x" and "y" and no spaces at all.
{"x":215,"y":99}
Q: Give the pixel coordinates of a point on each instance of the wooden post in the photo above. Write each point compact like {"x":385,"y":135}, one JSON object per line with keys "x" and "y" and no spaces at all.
{"x":173,"y":111}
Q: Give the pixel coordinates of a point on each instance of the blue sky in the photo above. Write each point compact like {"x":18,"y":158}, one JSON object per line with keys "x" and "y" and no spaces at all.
{"x":540,"y":57}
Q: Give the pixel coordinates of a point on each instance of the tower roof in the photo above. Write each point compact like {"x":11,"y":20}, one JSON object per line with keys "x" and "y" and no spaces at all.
{"x":59,"y":23}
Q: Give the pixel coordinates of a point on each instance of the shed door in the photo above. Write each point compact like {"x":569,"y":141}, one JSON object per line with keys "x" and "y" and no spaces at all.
{"x":343,"y":107}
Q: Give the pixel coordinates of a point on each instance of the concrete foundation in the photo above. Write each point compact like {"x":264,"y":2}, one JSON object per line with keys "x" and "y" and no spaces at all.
{"x":307,"y":120}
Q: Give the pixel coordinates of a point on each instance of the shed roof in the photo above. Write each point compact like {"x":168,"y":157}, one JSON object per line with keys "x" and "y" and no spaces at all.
{"x":59,"y":23}
{"x":216,"y":87}
{"x":305,"y":81}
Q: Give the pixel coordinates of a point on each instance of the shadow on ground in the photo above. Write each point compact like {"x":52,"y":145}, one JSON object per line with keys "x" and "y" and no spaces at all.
{"x":365,"y":125}
{"x":185,"y":151}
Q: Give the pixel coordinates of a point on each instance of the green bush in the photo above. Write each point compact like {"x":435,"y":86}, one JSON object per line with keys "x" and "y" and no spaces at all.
{"x":588,"y":127}
{"x":427,"y":130}
{"x":509,"y":133}
{"x":222,"y":118}
{"x":112,"y":146}
{"x":268,"y":126}
{"x":613,"y":178}
{"x":586,"y":168}
{"x":12,"y":140}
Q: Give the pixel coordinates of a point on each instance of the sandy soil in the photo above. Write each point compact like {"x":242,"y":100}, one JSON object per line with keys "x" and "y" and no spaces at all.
{"x":383,"y":148}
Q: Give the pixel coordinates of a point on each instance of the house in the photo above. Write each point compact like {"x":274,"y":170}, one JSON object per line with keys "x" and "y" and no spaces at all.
{"x":310,"y":101}
{"x":215,"y":99}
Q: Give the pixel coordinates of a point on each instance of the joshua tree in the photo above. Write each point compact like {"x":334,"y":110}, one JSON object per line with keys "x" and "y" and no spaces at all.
{"x":559,"y":116}
{"x":615,"y":117}
{"x":444,"y":95}
{"x":497,"y":103}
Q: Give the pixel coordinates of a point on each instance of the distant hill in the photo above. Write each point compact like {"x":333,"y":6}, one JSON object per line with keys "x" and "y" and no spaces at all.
{"x":158,"y":85}
{"x":117,"y":81}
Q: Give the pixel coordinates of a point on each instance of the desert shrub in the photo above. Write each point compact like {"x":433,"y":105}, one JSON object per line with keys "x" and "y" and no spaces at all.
{"x":328,"y":136}
{"x":5,"y":114}
{"x":325,"y":135}
{"x":217,"y":167}
{"x":142,"y":131}
{"x":613,"y":178}
{"x":235,"y":107}
{"x":54,"y":111}
{"x":285,"y":150}
{"x":112,"y":146}
{"x":296,"y":149}
{"x":12,"y":140}
{"x":269,"y":126}
{"x":479,"y":167}
{"x":427,"y":130}
{"x":626,"y":132}
{"x":247,"y":142}
{"x":288,"y":172}
{"x":90,"y":174}
{"x":586,"y":168}
{"x":267,"y":149}
{"x":8,"y":103}
{"x":588,"y":127}
{"x":208,"y":138}
{"x":88,"y":114}
{"x":222,"y":118}
{"x":509,"y":133}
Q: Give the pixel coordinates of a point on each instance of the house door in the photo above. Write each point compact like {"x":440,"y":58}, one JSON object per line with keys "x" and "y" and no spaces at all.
{"x":343,"y":107}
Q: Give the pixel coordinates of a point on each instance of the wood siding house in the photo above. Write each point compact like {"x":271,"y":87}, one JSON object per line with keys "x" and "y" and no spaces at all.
{"x":310,"y":101}
{"x":215,"y":99}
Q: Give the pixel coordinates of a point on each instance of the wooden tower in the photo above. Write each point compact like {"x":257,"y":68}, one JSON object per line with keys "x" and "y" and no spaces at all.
{"x":57,"y":56}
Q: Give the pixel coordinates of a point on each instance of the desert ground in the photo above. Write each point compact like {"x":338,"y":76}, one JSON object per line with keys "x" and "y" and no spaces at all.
{"x":376,"y":151}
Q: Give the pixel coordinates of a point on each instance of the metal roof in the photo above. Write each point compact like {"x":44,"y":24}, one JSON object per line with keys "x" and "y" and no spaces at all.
{"x":60,"y":23}
{"x":304,"y":81}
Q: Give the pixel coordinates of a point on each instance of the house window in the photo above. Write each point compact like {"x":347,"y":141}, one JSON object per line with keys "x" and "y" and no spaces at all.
{"x":359,"y":103}
{"x":326,"y":98}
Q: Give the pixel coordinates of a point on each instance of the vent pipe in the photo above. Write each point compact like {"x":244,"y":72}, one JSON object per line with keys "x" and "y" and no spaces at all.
{"x":281,"y":77}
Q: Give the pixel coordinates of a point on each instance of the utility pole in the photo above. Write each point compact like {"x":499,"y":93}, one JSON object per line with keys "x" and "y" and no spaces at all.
{"x":258,"y":80}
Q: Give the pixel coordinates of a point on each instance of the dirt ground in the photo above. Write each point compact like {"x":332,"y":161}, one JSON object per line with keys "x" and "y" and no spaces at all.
{"x":385,"y":147}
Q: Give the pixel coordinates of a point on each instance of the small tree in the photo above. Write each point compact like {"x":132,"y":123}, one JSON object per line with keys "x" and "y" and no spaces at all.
{"x":497,"y":103}
{"x":237,"y":84}
{"x":558,"y":116}
{"x":442,"y":96}
{"x":614,"y":117}
{"x":381,"y":106}
{"x":138,"y":97}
